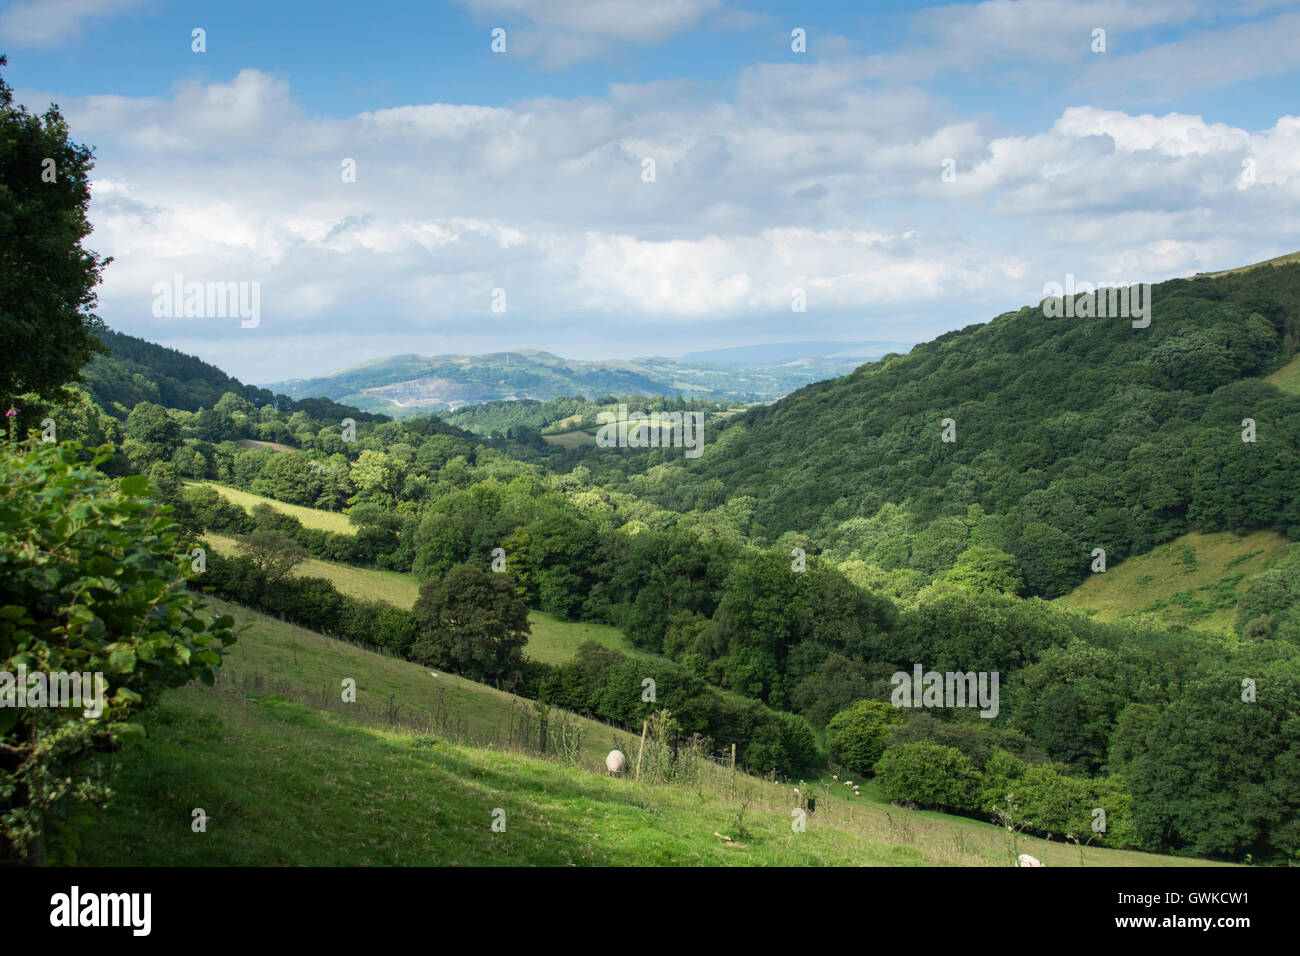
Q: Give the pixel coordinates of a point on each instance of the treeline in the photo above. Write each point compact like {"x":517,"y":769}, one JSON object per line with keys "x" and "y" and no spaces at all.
{"x":1186,"y":742}
{"x":601,"y":683}
{"x":1101,"y":705}
{"x":982,"y":769}
{"x":522,"y":419}
{"x":311,"y":602}
{"x":203,"y":508}
{"x":134,"y":370}
{"x":604,"y":682}
{"x":1070,"y":435}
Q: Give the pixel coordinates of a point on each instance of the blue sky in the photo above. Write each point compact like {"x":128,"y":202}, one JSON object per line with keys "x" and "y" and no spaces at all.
{"x":1176,"y":150}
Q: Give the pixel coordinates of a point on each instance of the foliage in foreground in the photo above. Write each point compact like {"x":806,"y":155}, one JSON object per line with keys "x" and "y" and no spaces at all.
{"x":91,"y":581}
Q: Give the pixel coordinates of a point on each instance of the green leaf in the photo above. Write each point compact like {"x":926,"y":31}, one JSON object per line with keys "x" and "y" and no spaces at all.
{"x":80,"y":614}
{"x":127,"y":734}
{"x":134,"y":485}
{"x":121,"y":660}
{"x":101,"y":564}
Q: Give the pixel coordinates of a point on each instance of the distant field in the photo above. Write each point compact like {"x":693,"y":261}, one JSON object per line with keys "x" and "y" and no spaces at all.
{"x":552,"y":641}
{"x":571,"y":421}
{"x":310,"y":517}
{"x":1278,"y":261}
{"x":1287,"y":378}
{"x":570,"y":439}
{"x":1193,"y":580}
{"x":365,"y":583}
{"x":253,"y":443}
{"x":287,"y":774}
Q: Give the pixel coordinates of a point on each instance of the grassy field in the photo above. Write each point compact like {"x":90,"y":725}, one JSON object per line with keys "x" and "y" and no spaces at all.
{"x":1278,"y":261}
{"x":1287,"y":378}
{"x":254,"y":443}
{"x":552,"y":641}
{"x":305,"y":665}
{"x":285,"y":779}
{"x":574,"y":439}
{"x":1193,"y":580}
{"x":368,"y":584}
{"x":310,"y":517}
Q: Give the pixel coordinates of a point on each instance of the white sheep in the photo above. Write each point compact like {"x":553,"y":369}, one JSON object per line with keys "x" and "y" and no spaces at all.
{"x":1026,"y":860}
{"x":616,"y":762}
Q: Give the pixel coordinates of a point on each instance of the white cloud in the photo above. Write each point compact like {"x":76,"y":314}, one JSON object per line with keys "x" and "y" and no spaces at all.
{"x":1209,"y":59}
{"x":835,"y":189}
{"x":560,"y":33}
{"x":45,"y":23}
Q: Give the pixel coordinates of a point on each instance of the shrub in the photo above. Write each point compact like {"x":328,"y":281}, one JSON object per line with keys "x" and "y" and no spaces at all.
{"x":858,"y":735}
{"x":931,"y":776}
{"x":91,"y":581}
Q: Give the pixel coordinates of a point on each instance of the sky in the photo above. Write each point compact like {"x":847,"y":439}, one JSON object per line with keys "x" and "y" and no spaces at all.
{"x":389,"y":183}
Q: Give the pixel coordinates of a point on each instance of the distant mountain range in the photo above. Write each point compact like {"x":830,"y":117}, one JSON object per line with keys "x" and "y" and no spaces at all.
{"x":780,"y":353}
{"x":413,"y":384}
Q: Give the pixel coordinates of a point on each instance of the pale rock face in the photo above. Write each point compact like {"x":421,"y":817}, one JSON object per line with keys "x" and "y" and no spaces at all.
{"x":616,"y":763}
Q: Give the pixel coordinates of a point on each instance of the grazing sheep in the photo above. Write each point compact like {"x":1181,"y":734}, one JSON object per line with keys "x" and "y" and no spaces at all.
{"x":1026,"y":860}
{"x":615,"y":763}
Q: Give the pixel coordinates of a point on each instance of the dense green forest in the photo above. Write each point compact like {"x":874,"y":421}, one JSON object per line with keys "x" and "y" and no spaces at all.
{"x":1068,"y":437}
{"x":1071,"y":434}
{"x":527,"y":419}
{"x":819,"y":546}
{"x":132,"y":371}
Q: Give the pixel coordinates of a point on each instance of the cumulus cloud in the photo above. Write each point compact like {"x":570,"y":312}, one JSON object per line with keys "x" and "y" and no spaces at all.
{"x":45,"y":23}
{"x":1207,"y":59}
{"x":560,"y":33}
{"x":817,"y":178}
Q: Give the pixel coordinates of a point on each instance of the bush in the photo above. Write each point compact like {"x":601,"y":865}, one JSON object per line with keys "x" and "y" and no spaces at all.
{"x":931,"y":776}
{"x":1050,"y":804}
{"x":212,"y":512}
{"x":91,"y":581}
{"x":858,"y":735}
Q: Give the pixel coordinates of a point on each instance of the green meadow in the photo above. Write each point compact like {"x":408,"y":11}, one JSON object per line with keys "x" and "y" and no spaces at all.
{"x":285,"y":776}
{"x":1194,"y":580}
{"x":309,"y":517}
{"x":552,"y":641}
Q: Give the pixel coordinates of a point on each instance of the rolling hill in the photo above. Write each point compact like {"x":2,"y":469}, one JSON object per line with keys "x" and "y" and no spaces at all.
{"x":1067,"y":435}
{"x":408,"y":384}
{"x":135,"y":370}
{"x":1194,"y":580}
{"x":287,"y":774}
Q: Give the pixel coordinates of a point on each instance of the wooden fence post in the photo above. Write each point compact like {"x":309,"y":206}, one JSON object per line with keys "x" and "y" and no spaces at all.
{"x":641,"y":749}
{"x":733,"y":771}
